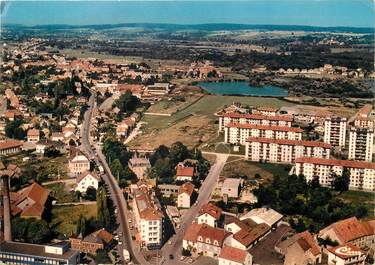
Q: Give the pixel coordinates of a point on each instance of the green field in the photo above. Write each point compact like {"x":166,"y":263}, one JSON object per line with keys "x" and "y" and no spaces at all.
{"x":194,"y":125}
{"x":64,"y":218}
{"x":208,"y":105}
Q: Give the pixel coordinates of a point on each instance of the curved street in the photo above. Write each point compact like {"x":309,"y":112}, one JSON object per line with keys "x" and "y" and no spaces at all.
{"x":116,"y":194}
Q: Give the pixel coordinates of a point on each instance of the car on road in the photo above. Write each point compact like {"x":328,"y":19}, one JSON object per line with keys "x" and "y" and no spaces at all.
{"x":171,"y":256}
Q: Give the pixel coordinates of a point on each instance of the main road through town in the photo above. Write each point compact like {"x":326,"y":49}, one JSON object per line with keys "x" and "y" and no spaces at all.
{"x":115,"y":191}
{"x":205,"y":191}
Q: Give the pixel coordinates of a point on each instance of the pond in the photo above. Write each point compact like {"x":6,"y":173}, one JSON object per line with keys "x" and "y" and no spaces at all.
{"x":242,"y":88}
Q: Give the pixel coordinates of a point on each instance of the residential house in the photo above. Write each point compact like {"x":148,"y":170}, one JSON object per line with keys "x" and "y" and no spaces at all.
{"x":33,"y":136}
{"x":209,"y":214}
{"x":301,"y":248}
{"x":78,"y":164}
{"x":234,"y":256}
{"x":99,"y":239}
{"x":185,"y":173}
{"x":185,"y":195}
{"x":351,"y":230}
{"x":85,"y":180}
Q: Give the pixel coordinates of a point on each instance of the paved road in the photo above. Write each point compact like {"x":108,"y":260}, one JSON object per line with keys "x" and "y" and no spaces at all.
{"x":114,"y":189}
{"x":204,"y":197}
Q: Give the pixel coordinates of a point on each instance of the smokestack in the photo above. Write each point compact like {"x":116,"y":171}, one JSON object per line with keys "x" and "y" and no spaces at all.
{"x":6,"y":206}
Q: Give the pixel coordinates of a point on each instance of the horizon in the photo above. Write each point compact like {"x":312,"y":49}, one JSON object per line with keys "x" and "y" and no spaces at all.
{"x":323,"y":13}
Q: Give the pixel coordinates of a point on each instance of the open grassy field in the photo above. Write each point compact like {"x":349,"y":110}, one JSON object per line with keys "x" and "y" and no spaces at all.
{"x":64,"y":218}
{"x":195,"y":124}
{"x":166,"y":106}
{"x":60,"y":192}
{"x":237,"y":166}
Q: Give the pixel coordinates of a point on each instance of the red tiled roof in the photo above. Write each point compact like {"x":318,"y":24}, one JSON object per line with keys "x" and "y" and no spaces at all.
{"x":185,"y":171}
{"x":233,"y":254}
{"x":104,"y":235}
{"x":192,"y":231}
{"x":247,"y":237}
{"x":336,"y":162}
{"x":212,"y":210}
{"x":310,"y":241}
{"x":10,"y":144}
{"x":33,"y":132}
{"x":351,"y":229}
{"x":346,"y":251}
{"x":213,"y":234}
{"x":258,"y":116}
{"x":289,"y":142}
{"x":84,"y":174}
{"x":186,"y":188}
{"x":263,"y":127}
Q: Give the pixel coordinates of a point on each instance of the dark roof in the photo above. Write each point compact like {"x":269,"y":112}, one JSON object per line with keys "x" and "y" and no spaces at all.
{"x":33,"y":250}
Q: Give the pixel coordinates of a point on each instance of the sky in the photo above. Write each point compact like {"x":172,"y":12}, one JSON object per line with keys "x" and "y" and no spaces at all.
{"x":353,"y":13}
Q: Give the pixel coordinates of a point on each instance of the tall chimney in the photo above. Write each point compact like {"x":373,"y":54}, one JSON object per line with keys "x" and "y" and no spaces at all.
{"x":6,"y":206}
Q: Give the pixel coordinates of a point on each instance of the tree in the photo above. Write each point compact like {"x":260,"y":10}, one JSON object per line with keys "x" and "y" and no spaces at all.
{"x":116,"y":168}
{"x":101,"y":257}
{"x":51,"y":151}
{"x":178,"y":152}
{"x":31,"y":230}
{"x":90,"y":194}
{"x":82,"y":225}
{"x":13,"y":129}
{"x":127,"y":103}
{"x":102,"y":208}
{"x":341,"y":183}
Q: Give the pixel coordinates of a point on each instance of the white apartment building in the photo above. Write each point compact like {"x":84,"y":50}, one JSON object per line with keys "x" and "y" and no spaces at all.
{"x":236,"y":133}
{"x":86,"y":180}
{"x":362,"y":174}
{"x":364,"y":123}
{"x":245,"y":118}
{"x":361,"y":144}
{"x":148,"y":219}
{"x":335,"y":131}
{"x":283,"y":151}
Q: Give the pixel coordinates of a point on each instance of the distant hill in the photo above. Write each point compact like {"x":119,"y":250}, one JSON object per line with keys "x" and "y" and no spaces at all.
{"x":206,"y":27}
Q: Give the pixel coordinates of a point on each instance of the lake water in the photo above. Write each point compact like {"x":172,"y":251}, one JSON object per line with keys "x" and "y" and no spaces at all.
{"x":242,"y":88}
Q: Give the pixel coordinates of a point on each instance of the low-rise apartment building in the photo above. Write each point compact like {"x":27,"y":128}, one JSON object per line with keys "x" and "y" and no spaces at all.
{"x":8,"y":147}
{"x":148,"y":219}
{"x":99,"y":239}
{"x":335,"y":131}
{"x":246,"y":118}
{"x":362,"y":174}
{"x":237,"y":133}
{"x":33,"y":136}
{"x":283,"y":151}
{"x":347,"y":254}
{"x":139,"y":165}
{"x":234,"y":256}
{"x":361,"y":143}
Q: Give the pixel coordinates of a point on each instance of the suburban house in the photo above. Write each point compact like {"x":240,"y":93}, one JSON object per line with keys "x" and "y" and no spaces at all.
{"x":85,"y":180}
{"x":33,"y":136}
{"x":347,"y":254}
{"x":209,"y":214}
{"x":351,"y":230}
{"x":29,"y":202}
{"x":204,"y":239}
{"x":234,"y":256}
{"x":301,"y":248}
{"x":185,"y":195}
{"x":57,"y":136}
{"x":184,"y":173}
{"x":99,"y":239}
{"x":78,"y":164}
